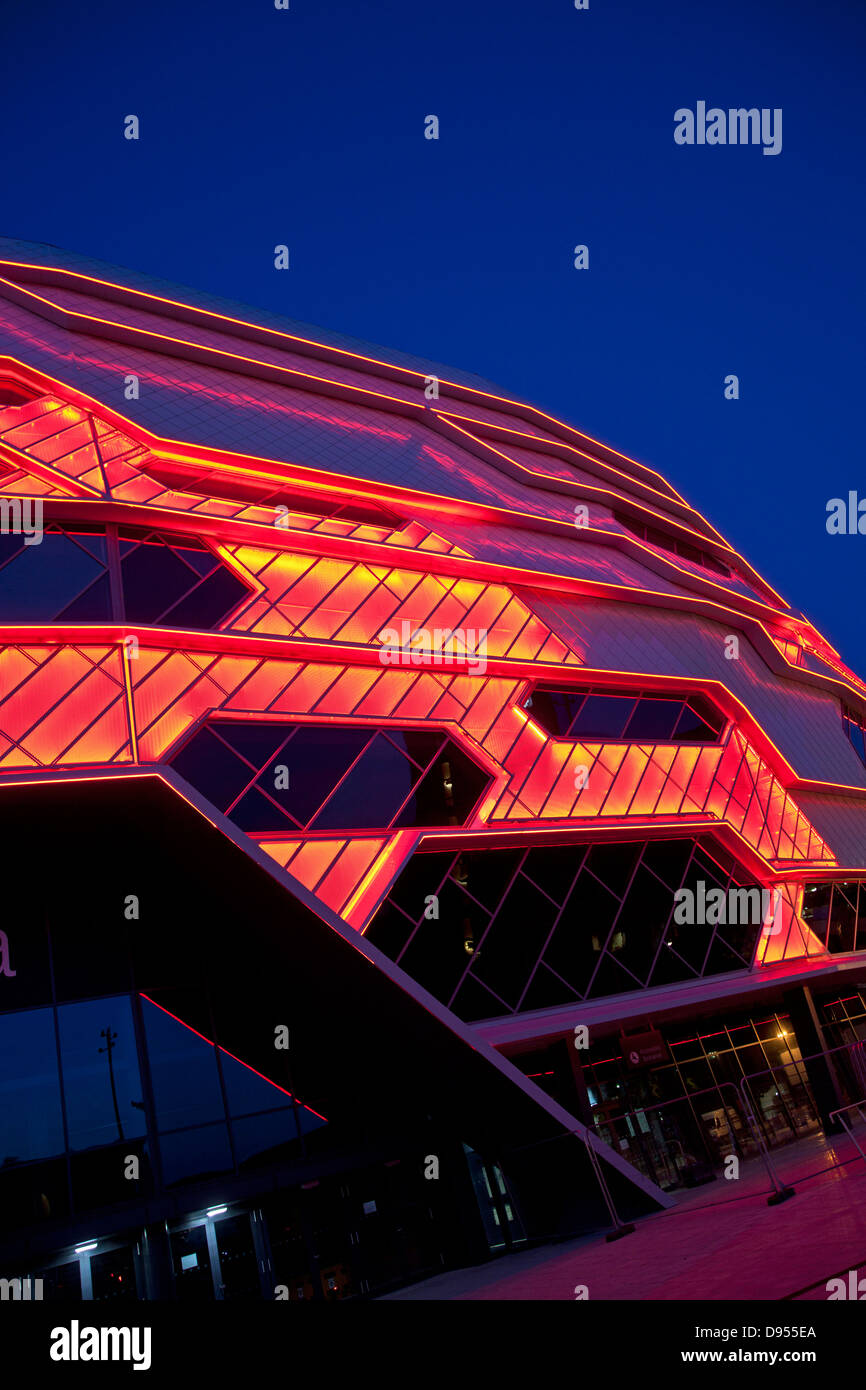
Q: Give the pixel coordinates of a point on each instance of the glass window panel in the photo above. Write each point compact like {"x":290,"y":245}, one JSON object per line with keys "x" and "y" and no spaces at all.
{"x":691,"y":941}
{"x":613,"y":864}
{"x":195,"y":1154}
{"x":510,"y":950}
{"x":447,"y":794}
{"x":99,"y":1175}
{"x":33,"y":1194}
{"x":422,"y":877}
{"x":842,"y":921}
{"x":372,"y":792}
{"x":603,"y":716}
{"x":257,"y":814}
{"x":555,"y":710}
{"x":472,"y":1001}
{"x":112,"y":1275}
{"x":61,"y":1283}
{"x":390,"y":930}
{"x":183,"y":1069}
{"x":486,"y":874}
{"x":200,"y":557}
{"x":247,"y":1091}
{"x":691,"y":728}
{"x":316,"y":759}
{"x":437,"y":954}
{"x":31,"y":1122}
{"x":209,"y":603}
{"x":611,"y":978}
{"x":639,"y":926}
{"x":212,"y":769}
{"x":554,"y":869}
{"x":581,"y":932}
{"x":43,"y":579}
{"x":816,"y":908}
{"x":101,"y":1081}
{"x":27,"y":953}
{"x":264,"y":1138}
{"x":10,"y":545}
{"x":546,"y":991}
{"x":92,"y":606}
{"x":670,"y":968}
{"x":418,"y":744}
{"x":153,"y":580}
{"x":100,"y":967}
{"x":257,"y":742}
{"x":706,"y":711}
{"x":654,"y":720}
{"x":668,"y":859}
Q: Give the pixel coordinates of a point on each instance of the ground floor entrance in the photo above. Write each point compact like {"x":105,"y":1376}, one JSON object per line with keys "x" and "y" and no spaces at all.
{"x":735,"y":1083}
{"x":333,"y":1238}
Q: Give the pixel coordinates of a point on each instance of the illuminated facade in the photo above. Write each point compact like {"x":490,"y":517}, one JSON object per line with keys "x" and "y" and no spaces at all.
{"x":359,"y":724}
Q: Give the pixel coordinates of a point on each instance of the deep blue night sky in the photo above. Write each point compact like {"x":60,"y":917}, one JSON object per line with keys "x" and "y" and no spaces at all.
{"x":306,"y":126}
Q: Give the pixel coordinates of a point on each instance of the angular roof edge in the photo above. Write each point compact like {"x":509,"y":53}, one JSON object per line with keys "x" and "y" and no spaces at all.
{"x":46,"y":254}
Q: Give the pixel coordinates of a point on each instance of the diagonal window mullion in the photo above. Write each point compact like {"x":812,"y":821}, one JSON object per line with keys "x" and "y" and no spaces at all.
{"x":420,"y":920}
{"x":494,"y":916}
{"x":333,"y":792}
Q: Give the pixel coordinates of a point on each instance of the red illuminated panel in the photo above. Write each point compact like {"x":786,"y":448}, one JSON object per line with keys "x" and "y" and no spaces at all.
{"x":63,"y":706}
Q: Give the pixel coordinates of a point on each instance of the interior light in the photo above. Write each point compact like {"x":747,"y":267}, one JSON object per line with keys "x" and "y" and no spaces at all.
{"x":80,"y":1249}
{"x":216,"y":1211}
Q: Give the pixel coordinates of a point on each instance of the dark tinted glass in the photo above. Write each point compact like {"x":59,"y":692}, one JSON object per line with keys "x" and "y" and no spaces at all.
{"x":555,"y":710}
{"x":447,"y":793}
{"x":486,"y":874}
{"x":316,"y":758}
{"x":154,"y":578}
{"x":602,"y":716}
{"x":42,"y":580}
{"x":213,"y":769}
{"x":247,"y":1091}
{"x":184,"y":1071}
{"x":373,"y":791}
{"x":101,"y":1081}
{"x":417,"y":744}
{"x":92,"y":606}
{"x":515,"y":939}
{"x":613,"y":864}
{"x":31,"y":1124}
{"x":176,"y":582}
{"x":691,"y":728}
{"x":555,"y":869}
{"x":257,"y":742}
{"x":195,"y":1154}
{"x":207,"y":605}
{"x":654,"y":720}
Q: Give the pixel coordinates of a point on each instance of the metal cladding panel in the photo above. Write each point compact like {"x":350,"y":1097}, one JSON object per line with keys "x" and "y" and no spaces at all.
{"x":226,"y":410}
{"x":841,"y":820}
{"x":40,"y":253}
{"x":803,"y":722}
{"x":549,"y":554}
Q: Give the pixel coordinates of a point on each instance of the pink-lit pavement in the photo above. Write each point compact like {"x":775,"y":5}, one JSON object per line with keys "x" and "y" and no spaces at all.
{"x":721,"y":1241}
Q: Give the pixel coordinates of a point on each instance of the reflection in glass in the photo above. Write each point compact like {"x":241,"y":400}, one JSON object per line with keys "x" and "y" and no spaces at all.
{"x":31,"y":1123}
{"x":101,"y":1081}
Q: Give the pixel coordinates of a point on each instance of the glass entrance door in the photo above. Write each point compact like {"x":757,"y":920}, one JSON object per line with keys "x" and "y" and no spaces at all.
{"x":215,"y":1257}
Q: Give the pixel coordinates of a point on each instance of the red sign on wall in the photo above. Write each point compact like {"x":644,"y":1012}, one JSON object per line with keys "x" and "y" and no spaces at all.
{"x":645,"y":1049}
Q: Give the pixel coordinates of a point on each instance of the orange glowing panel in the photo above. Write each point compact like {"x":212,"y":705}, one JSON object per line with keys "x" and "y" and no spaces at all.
{"x":313,"y":860}
{"x":348,"y":871}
